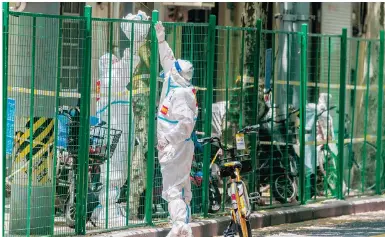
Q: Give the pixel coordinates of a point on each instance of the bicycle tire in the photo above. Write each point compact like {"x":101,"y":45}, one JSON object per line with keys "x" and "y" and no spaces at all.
{"x":243,"y":226}
{"x":369,"y":165}
{"x":279,"y":194}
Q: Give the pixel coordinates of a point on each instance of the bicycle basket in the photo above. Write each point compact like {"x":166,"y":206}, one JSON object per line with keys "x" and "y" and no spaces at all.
{"x":99,"y":141}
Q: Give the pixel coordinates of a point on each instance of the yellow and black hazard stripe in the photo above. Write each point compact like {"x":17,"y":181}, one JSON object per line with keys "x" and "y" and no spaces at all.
{"x":43,"y":136}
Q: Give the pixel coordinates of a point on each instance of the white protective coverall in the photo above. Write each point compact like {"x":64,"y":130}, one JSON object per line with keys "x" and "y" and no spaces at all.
{"x":319,"y":131}
{"x":322,"y":128}
{"x":119,"y":119}
{"x":177,"y":114}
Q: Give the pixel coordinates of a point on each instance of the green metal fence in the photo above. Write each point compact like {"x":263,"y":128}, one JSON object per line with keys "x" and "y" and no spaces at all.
{"x":310,"y":146}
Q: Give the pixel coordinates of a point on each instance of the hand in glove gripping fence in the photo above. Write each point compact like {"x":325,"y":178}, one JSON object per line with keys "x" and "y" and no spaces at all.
{"x":160,"y":32}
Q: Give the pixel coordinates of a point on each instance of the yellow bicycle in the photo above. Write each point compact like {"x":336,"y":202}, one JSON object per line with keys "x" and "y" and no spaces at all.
{"x":237,"y":190}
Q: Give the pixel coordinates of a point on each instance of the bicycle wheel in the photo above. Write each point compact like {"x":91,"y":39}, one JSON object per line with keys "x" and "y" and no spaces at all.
{"x":362,"y":165}
{"x":284,"y":188}
{"x":243,"y":225}
{"x":330,"y":178}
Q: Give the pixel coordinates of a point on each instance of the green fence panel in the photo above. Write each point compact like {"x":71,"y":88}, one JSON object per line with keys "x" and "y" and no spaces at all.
{"x":121,"y":71}
{"x":55,"y":64}
{"x":35,"y":61}
{"x":360,"y":149}
{"x":189,"y":41}
{"x":4,"y":162}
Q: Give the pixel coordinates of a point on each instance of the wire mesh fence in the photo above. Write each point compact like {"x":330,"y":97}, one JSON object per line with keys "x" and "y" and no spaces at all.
{"x":82,"y":95}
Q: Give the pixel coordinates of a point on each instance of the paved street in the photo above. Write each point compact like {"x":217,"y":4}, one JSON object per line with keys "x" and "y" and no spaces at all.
{"x":363,"y":224}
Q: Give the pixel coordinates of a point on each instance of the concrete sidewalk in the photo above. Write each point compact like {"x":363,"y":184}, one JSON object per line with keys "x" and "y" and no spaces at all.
{"x":265,"y":218}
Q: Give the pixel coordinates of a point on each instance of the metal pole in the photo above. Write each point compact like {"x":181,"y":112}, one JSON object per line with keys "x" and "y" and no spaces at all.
{"x":303,"y":87}
{"x":255,"y":106}
{"x":208,"y":114}
{"x":287,"y":18}
{"x":341,"y":119}
{"x":151,"y":122}
{"x":5,"y":100}
{"x":292,"y":16}
{"x":379,"y":161}
{"x":82,"y":184}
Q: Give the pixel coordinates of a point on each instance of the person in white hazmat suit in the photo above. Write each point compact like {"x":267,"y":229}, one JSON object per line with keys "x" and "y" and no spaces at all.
{"x":119,"y":117}
{"x":323,"y":134}
{"x":177,"y":114}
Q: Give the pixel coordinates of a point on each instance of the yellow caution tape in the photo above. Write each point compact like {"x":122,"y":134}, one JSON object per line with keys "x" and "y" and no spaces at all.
{"x":369,"y":138}
{"x":76,"y":94}
{"x":43,"y":130}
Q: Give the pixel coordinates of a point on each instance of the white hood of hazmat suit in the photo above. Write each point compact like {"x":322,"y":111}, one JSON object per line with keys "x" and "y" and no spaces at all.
{"x":177,"y":114}
{"x":120,"y":108}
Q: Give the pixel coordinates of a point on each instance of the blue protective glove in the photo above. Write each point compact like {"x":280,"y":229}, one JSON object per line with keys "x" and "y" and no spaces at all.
{"x":197,"y":145}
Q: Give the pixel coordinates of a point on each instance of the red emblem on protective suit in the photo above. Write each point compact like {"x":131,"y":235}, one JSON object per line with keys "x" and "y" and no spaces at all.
{"x":164,"y":110}
{"x":98,"y":90}
{"x":195,"y":96}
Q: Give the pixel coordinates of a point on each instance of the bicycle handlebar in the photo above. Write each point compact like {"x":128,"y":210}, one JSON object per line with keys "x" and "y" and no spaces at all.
{"x":249,"y":129}
{"x":212,"y":140}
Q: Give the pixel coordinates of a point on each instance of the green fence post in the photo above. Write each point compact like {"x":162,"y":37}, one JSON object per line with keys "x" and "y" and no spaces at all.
{"x":208,"y":113}
{"x":228,"y":31}
{"x":58,"y":73}
{"x":379,"y":162}
{"x":151,"y":117}
{"x":240,"y":121}
{"x":31,"y":115}
{"x":130,"y":127}
{"x":366,"y":106}
{"x":341,"y":118}
{"x":353,"y":114}
{"x":303,"y":88}
{"x":5,"y":99}
{"x":82,"y":182}
{"x":111,"y":38}
{"x":255,"y":106}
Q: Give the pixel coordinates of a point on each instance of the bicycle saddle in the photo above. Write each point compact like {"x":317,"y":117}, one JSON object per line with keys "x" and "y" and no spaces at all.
{"x":232,"y":164}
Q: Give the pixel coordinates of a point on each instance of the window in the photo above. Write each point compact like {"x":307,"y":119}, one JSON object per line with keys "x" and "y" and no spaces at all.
{"x":71,"y":46}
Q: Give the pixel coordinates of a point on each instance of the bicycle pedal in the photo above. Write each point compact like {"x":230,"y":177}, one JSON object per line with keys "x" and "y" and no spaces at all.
{"x":229,"y":232}
{"x":254,"y":197}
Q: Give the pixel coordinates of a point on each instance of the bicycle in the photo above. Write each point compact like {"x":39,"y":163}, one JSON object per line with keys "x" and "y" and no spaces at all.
{"x":285,"y":172}
{"x":364,"y":168}
{"x":240,"y":199}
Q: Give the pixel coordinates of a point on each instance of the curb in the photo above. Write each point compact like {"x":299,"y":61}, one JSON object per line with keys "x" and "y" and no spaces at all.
{"x":265,"y":218}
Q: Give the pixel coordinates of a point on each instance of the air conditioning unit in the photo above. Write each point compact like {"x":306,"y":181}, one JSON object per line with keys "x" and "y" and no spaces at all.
{"x":206,"y":5}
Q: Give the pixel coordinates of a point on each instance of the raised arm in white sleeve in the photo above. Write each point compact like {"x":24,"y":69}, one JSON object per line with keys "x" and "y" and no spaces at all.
{"x":166,"y":55}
